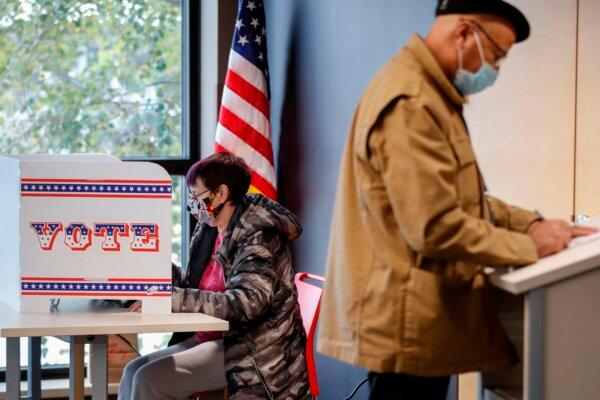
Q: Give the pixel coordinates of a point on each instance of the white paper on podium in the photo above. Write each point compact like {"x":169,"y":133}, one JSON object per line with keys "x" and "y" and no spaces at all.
{"x":582,"y":256}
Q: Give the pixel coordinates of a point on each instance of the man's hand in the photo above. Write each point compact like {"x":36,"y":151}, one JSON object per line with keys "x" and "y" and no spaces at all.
{"x":553,"y":236}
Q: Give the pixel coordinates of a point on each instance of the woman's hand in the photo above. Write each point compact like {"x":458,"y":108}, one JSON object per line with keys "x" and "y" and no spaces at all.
{"x":135,"y":307}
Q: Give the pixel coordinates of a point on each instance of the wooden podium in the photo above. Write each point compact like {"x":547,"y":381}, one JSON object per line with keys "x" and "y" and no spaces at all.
{"x":551,"y":312}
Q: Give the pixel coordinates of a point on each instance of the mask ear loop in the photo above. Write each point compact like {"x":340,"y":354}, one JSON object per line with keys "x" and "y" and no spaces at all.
{"x":460,"y":58}
{"x":479,"y":48}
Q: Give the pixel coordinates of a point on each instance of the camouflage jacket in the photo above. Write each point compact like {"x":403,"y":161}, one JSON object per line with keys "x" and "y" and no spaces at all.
{"x":264,"y":348}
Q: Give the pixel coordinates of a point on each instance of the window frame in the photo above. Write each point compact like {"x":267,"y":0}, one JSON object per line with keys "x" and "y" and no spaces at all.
{"x":191,"y":152}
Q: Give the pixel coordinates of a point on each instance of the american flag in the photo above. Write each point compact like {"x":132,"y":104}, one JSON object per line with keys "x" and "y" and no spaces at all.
{"x":244,"y":128}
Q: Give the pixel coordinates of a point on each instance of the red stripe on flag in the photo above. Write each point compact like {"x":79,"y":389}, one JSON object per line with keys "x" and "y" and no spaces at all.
{"x":264,"y":186}
{"x":247,"y":133}
{"x":258,"y":181}
{"x":248,"y":92}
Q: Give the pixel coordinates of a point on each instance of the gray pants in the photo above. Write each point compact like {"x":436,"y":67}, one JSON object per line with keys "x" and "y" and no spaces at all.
{"x":175,"y":373}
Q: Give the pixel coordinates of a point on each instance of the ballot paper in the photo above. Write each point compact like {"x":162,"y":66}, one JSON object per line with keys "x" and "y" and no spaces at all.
{"x":579,"y":241}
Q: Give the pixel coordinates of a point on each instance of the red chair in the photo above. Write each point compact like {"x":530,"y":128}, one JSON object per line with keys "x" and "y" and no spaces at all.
{"x":309,"y":298}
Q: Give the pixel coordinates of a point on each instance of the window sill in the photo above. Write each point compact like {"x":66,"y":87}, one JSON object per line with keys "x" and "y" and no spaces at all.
{"x":58,"y":388}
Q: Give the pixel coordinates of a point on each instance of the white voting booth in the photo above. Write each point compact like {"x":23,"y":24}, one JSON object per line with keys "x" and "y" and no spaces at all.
{"x":551,"y":312}
{"x":86,"y":227}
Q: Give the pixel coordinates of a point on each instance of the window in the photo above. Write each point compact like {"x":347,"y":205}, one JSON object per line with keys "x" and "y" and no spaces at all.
{"x":108,"y":76}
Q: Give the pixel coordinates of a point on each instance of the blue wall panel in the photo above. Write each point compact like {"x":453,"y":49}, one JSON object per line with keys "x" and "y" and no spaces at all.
{"x":322,"y":55}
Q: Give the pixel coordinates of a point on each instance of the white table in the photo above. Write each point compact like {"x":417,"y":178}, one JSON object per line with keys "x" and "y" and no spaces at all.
{"x":88,"y":322}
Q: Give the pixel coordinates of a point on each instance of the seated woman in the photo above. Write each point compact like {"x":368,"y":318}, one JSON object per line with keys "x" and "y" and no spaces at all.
{"x":240,"y":270}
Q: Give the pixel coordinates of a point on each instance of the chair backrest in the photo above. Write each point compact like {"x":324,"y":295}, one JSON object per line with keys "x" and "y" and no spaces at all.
{"x":309,"y":298}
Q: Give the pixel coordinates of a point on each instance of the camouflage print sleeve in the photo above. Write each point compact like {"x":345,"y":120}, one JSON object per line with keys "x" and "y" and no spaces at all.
{"x":249,"y":293}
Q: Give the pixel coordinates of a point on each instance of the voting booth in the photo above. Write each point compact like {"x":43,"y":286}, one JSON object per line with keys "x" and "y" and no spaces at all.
{"x":551,"y":312}
{"x":86,"y":227}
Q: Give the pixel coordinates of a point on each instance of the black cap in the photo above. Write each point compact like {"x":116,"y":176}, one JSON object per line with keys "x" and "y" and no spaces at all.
{"x":494,"y":7}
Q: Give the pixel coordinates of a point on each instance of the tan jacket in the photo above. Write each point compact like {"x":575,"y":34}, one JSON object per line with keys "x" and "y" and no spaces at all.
{"x":405,"y":289}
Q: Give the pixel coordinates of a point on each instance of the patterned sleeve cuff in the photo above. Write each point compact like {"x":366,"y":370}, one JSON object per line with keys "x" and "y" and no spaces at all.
{"x":177,"y":299}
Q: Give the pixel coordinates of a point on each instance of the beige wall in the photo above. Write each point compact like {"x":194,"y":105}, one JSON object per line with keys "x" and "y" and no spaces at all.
{"x":587,"y":200}
{"x":523,"y":128}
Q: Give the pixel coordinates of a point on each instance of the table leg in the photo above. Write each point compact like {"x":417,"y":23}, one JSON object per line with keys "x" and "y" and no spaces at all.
{"x":76,"y":369}
{"x":34,"y":369}
{"x":13,"y":369}
{"x":100,"y":367}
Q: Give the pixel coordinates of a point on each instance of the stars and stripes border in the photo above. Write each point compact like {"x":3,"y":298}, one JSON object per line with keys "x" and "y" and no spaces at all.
{"x":112,"y":287}
{"x":116,"y":188}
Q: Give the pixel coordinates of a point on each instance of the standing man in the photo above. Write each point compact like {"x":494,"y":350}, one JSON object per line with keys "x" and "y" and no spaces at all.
{"x":406,"y":296}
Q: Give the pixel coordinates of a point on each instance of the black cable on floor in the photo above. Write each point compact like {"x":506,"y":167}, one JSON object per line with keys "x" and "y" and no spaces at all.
{"x":129,"y":344}
{"x":356,"y":388}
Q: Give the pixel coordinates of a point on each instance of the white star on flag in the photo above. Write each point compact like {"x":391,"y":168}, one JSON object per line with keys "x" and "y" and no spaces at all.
{"x":243,"y":40}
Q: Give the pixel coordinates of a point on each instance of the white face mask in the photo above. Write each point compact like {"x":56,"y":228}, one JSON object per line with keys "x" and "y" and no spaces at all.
{"x":470,"y":83}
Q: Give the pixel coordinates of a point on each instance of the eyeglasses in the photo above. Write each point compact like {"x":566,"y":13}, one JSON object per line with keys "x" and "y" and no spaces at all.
{"x":503,"y":53}
{"x":198,"y":197}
